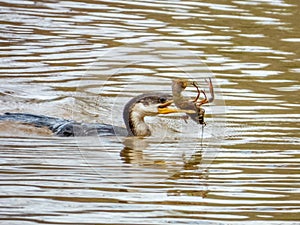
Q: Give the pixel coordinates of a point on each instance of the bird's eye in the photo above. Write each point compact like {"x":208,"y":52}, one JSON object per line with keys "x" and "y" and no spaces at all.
{"x":162,"y":99}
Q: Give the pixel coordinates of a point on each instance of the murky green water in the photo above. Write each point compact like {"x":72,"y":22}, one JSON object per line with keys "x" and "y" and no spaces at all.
{"x":84,"y":60}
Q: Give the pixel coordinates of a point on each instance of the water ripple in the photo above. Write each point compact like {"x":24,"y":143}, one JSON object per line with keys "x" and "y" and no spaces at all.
{"x":54,"y":54}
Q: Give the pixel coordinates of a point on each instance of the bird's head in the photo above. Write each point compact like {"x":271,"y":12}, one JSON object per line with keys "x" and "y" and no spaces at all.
{"x":150,"y":104}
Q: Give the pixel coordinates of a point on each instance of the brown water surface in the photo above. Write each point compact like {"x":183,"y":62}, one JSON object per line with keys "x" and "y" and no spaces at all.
{"x":84,"y":59}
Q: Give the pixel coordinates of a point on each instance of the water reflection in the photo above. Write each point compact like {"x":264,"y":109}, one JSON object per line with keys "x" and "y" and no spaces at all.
{"x":137,"y":160}
{"x":50,"y":64}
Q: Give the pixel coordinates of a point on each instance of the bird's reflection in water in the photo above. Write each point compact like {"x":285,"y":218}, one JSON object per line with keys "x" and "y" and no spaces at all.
{"x":141,"y":152}
{"x":132,"y":152}
{"x":178,"y":167}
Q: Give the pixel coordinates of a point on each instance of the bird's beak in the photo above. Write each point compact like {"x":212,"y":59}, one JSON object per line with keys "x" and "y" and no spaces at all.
{"x":164,"y":109}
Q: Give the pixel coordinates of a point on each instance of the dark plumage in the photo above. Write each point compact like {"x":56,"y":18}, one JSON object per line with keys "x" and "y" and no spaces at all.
{"x":133,"y":114}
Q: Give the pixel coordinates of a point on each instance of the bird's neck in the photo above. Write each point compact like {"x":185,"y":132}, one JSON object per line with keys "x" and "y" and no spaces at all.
{"x":137,"y":125}
{"x":133,"y":115}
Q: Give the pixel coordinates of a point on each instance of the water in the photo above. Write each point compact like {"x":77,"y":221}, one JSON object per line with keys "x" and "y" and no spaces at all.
{"x":84,"y":60}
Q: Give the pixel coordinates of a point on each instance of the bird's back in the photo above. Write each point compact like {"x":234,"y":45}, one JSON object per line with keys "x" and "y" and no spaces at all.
{"x":64,"y":127}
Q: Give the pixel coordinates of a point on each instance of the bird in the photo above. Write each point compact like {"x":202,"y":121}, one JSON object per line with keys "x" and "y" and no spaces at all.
{"x":149,"y":104}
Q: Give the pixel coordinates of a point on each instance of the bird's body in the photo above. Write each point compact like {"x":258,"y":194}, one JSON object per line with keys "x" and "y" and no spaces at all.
{"x":134,"y":112}
{"x":64,"y":127}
